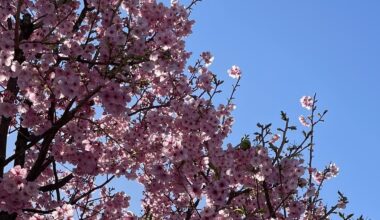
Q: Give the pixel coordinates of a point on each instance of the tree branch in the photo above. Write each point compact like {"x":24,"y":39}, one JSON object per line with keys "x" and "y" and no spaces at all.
{"x":267,"y":199}
{"x":57,"y":185}
{"x":82,"y":16}
{"x":75,"y":200}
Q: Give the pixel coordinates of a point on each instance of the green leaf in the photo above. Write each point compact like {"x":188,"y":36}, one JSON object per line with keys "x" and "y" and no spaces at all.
{"x":245,"y":144}
{"x":283,"y":116}
{"x":239,"y":210}
{"x":292,"y":128}
{"x":341,"y":215}
{"x":267,"y":126}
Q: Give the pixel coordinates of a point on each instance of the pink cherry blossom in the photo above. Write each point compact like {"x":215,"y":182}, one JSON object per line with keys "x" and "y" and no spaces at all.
{"x":234,"y":72}
{"x":307,"y":102}
{"x":207,"y":57}
{"x":7,"y":109}
{"x":304,"y":121}
{"x":275,"y":138}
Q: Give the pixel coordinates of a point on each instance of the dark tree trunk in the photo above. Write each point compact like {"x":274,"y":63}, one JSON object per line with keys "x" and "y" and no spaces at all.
{"x":7,"y":216}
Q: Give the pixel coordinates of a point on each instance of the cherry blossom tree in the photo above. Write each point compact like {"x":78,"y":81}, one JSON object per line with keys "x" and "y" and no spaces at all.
{"x":95,"y":90}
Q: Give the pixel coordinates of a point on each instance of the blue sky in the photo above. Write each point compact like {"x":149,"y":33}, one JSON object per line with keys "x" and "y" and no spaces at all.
{"x":291,"y":48}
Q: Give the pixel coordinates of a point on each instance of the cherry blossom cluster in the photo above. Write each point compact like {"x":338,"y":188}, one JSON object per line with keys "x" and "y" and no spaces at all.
{"x":98,"y":90}
{"x":331,"y":171}
{"x":259,"y":180}
{"x":15,"y":191}
{"x":64,"y":212}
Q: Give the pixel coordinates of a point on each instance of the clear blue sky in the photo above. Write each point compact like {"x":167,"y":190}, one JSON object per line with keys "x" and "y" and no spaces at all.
{"x":295,"y":47}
